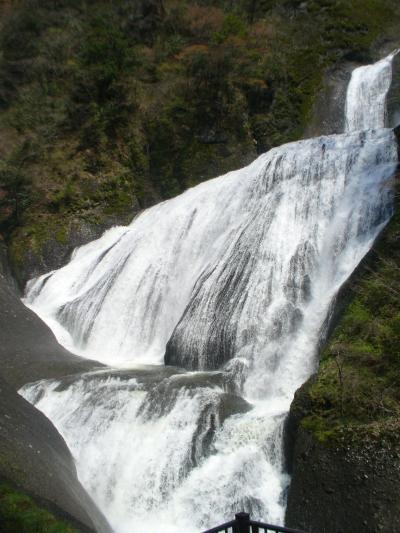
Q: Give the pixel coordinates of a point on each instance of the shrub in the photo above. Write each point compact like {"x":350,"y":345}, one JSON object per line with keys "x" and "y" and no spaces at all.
{"x":203,"y":22}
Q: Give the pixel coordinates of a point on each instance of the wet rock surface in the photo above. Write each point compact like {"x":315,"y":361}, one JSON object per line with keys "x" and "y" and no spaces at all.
{"x":338,"y":489}
{"x":328,"y":116}
{"x":28,"y":350}
{"x":55,"y":253}
{"x":33,"y":456}
{"x":35,"y":459}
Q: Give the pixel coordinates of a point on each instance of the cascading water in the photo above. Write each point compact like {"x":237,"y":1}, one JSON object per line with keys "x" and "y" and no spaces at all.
{"x":231,"y":281}
{"x":366,"y":95}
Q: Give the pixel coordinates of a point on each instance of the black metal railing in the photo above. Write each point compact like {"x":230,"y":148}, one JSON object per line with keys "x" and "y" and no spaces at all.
{"x":243,"y":524}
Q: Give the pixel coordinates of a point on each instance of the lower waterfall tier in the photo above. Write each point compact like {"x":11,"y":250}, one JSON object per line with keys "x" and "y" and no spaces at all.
{"x":155,"y":446}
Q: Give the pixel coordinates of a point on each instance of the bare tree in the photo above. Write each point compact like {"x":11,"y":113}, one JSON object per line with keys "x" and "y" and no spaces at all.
{"x":339,"y":360}
{"x":253,"y":4}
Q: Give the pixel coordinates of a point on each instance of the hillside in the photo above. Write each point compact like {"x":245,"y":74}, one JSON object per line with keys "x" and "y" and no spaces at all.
{"x":108,"y":107}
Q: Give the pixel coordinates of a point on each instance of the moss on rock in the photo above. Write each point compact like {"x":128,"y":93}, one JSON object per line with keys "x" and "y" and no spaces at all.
{"x":21,"y":514}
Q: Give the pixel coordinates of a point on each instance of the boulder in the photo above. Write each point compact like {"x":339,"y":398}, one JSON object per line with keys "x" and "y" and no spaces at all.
{"x":28,"y":349}
{"x":36,"y":461}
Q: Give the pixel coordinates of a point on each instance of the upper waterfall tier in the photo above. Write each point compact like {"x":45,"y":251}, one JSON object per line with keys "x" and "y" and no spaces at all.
{"x":366,"y":95}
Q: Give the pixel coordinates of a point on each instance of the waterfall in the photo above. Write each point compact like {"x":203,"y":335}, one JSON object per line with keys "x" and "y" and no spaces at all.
{"x":208,"y":309}
{"x":366,"y":95}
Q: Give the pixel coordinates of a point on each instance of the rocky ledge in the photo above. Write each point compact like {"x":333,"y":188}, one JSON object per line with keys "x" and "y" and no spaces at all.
{"x":37,"y":471}
{"x":35,"y":461}
{"x":28,"y":349}
{"x":345,"y":481}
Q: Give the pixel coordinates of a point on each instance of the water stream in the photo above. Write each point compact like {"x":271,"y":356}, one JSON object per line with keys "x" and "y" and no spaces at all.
{"x":208,"y":309}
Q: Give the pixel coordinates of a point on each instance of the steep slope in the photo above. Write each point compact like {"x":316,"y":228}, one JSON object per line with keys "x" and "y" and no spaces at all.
{"x":28,"y":348}
{"x":105,"y":111}
{"x":35,"y":461}
{"x":39,"y":489}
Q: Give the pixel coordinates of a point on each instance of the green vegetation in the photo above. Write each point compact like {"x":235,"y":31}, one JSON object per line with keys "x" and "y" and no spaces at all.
{"x":20,"y":514}
{"x":356,"y":393}
{"x":109,"y":107}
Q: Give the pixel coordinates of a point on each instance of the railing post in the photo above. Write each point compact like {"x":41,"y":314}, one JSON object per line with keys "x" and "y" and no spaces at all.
{"x":242,"y":523}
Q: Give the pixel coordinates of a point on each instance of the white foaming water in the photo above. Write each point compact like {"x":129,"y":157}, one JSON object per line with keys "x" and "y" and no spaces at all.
{"x":170,"y":453}
{"x":237,"y":274}
{"x":366,"y":95}
{"x":232,"y":264}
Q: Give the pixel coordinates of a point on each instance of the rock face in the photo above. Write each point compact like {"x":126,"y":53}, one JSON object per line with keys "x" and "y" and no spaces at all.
{"x":340,"y":488}
{"x":328,"y":116}
{"x":33,"y":456}
{"x":55,"y":253}
{"x":35,"y":459}
{"x":28,"y":349}
{"x":393,"y":98}
{"x":5,"y":270}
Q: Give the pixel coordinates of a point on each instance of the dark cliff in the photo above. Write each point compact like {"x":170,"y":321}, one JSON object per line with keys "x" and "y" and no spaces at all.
{"x":342,"y":482}
{"x":39,"y":487}
{"x":38,"y":475}
{"x":28,"y":348}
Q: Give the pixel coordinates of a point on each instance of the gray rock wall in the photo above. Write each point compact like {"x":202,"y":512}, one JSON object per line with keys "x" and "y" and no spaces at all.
{"x":393,"y":99}
{"x":328,"y":112}
{"x":28,"y":349}
{"x":36,"y":460}
{"x":343,"y":489}
{"x":33,"y":456}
